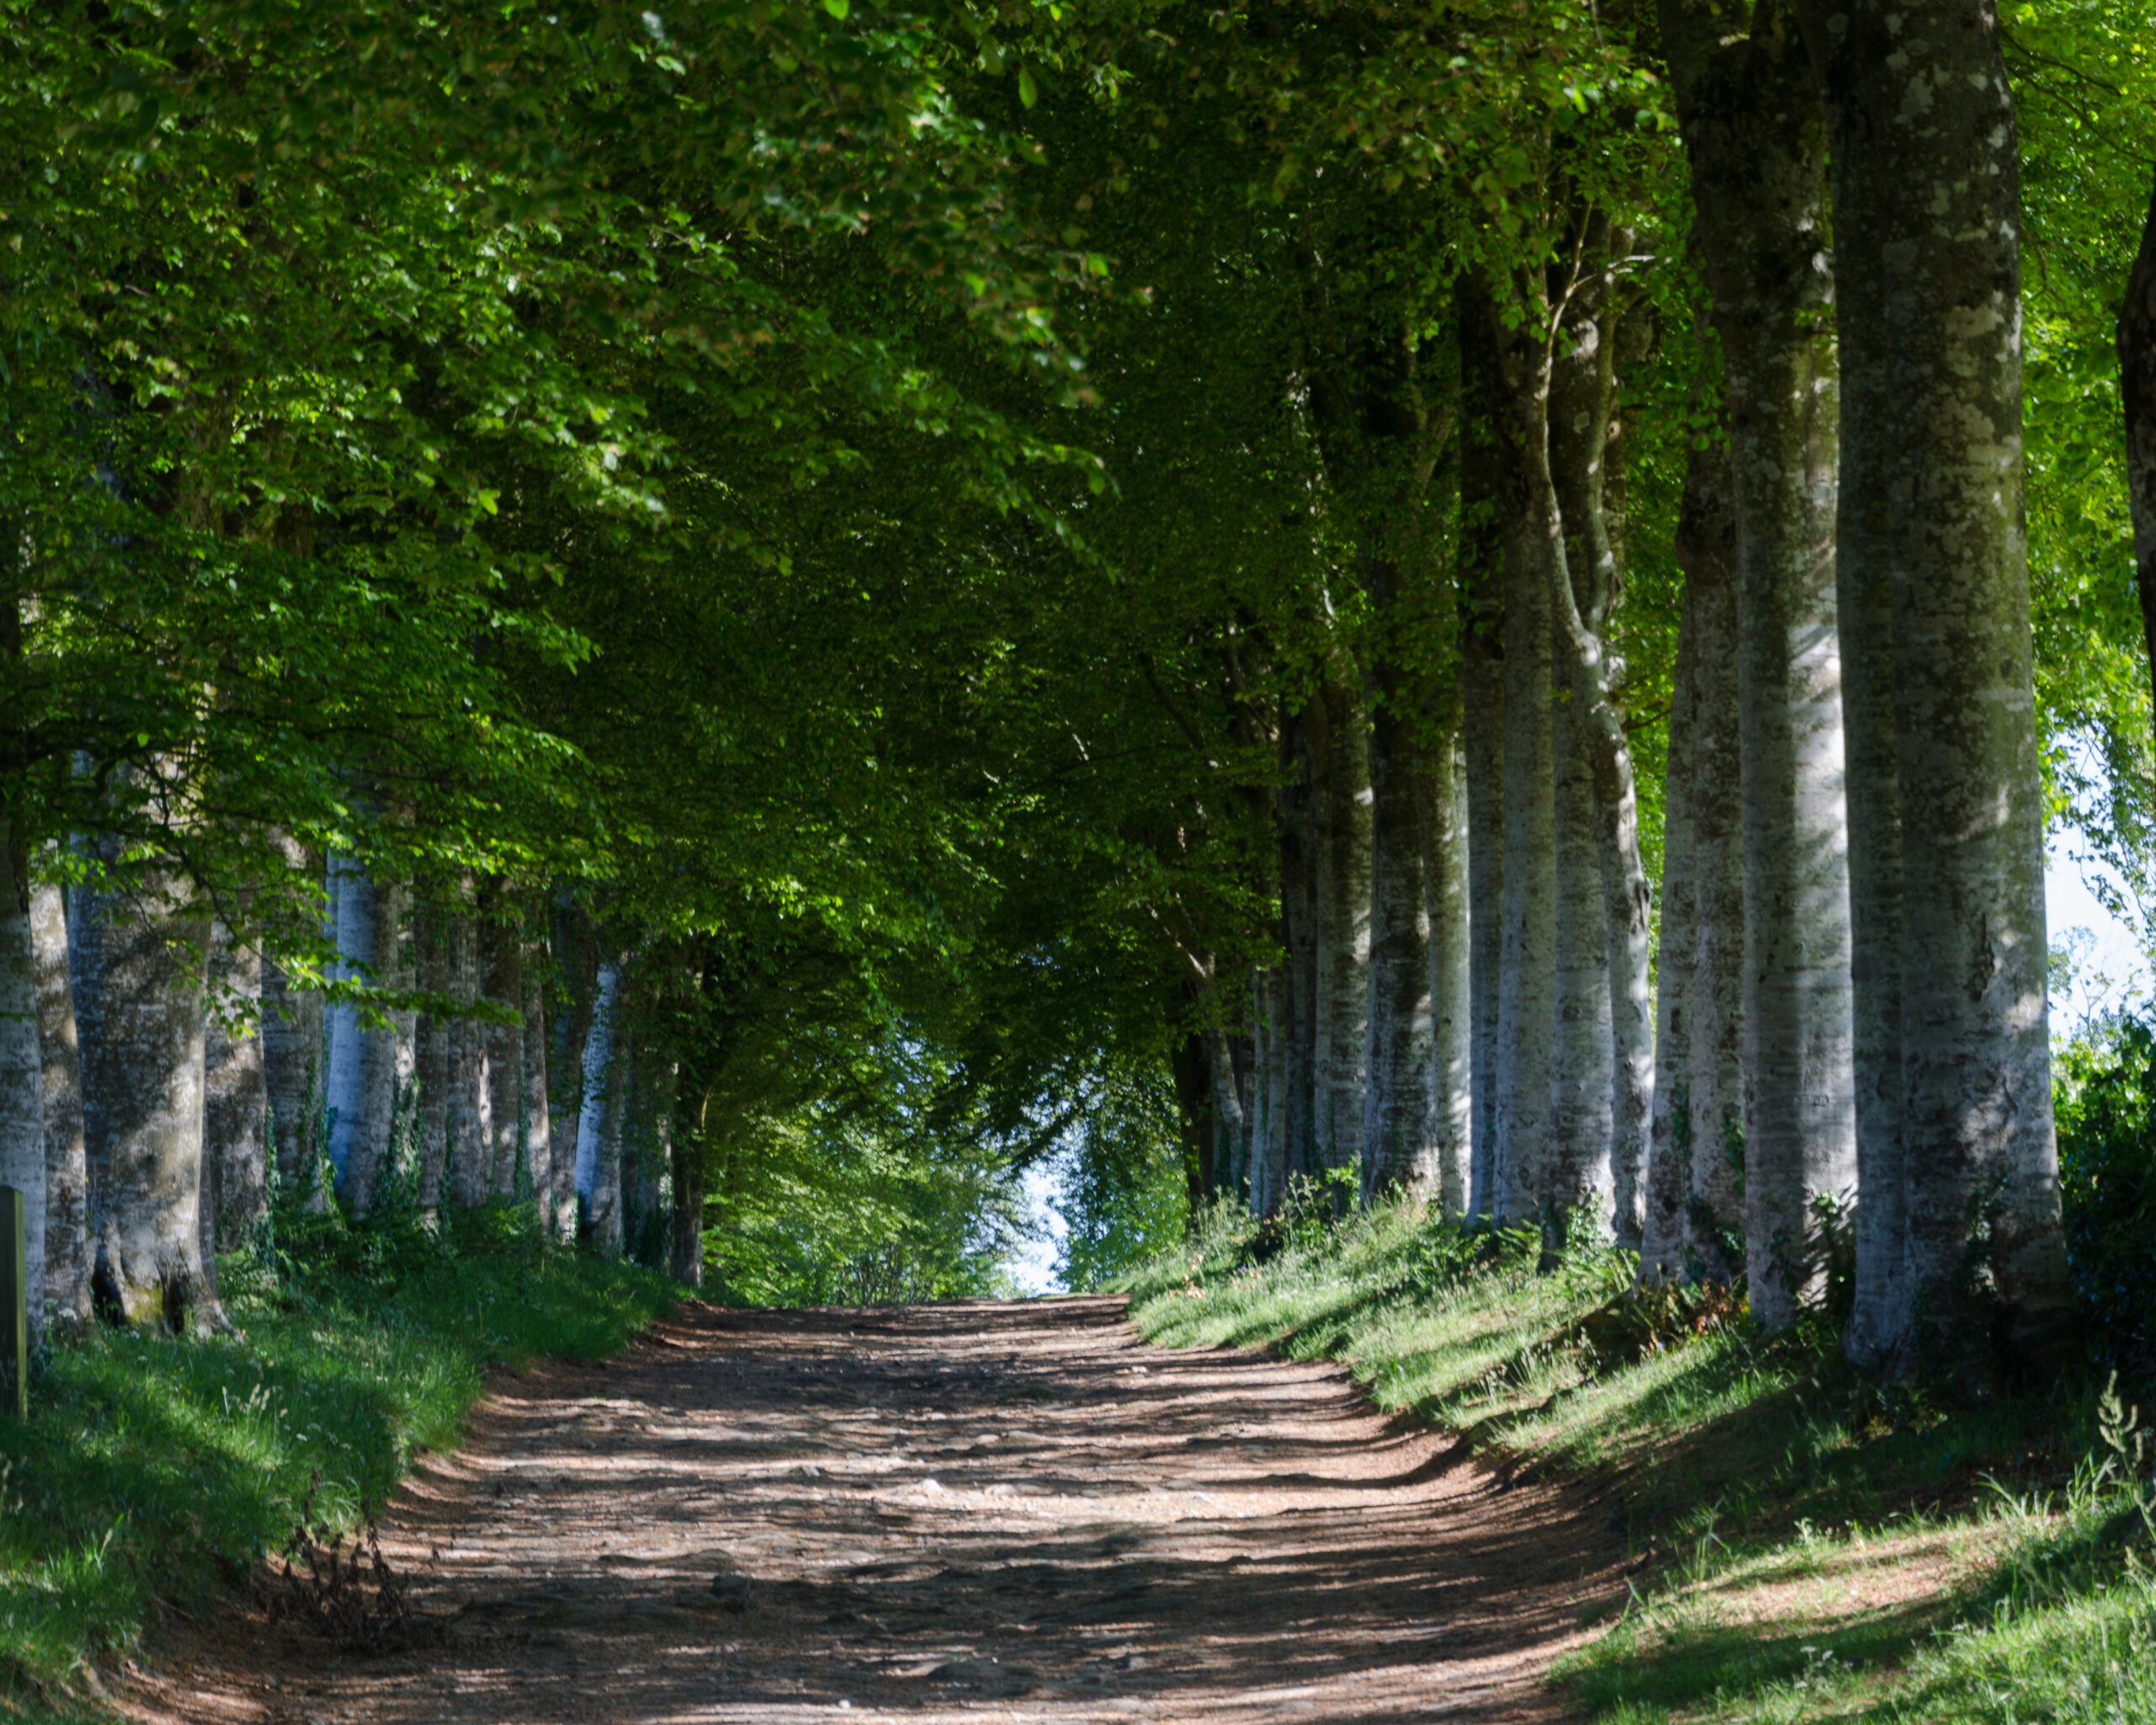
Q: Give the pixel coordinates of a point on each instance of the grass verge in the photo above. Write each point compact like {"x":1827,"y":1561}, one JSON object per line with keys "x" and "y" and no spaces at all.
{"x":1818,"y":1545}
{"x":154,"y":1469}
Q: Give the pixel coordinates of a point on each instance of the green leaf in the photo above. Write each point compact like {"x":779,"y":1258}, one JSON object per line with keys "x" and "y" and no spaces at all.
{"x":1028,"y":92}
{"x":838,"y":8}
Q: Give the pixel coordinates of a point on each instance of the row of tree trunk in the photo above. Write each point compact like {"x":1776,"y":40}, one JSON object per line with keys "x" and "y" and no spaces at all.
{"x":1852,"y":967}
{"x":161,"y":1082}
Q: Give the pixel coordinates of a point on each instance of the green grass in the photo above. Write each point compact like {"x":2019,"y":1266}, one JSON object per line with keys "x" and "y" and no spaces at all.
{"x":160,"y":1469}
{"x":1821,"y":1545}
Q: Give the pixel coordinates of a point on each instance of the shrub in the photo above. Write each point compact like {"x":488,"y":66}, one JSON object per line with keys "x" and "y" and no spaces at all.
{"x":2105,"y":1092}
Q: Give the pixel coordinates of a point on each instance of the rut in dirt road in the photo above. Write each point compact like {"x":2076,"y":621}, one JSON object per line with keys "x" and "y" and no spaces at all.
{"x":983,"y":1510}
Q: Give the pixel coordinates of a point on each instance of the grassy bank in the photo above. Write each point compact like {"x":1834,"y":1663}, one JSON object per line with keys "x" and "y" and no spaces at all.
{"x":155,"y":1469}
{"x":1818,"y":1545}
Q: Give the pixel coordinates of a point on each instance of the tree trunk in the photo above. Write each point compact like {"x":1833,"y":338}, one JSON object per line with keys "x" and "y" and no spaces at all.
{"x":1584,"y":447}
{"x":430,"y":955}
{"x":291,"y":1072}
{"x":2137,"y":341}
{"x":22,"y":1070}
{"x":1340,"y":761}
{"x":1755,"y":134}
{"x":135,"y":969}
{"x":471,"y":1124}
{"x":1927,"y":235}
{"x":538,"y":1131}
{"x":236,"y":1102}
{"x":1269,"y":1142}
{"x":685,"y":1238}
{"x":1230,"y":1123}
{"x":1714,"y":994}
{"x":66,"y":1176}
{"x":1443,"y":821}
{"x":648,"y":1153}
{"x":1705,"y":528}
{"x":1186,"y":1067}
{"x":1482,"y":736}
{"x":1534,"y":553}
{"x":363,"y":1057}
{"x":502,"y":961}
{"x":1628,"y":902}
{"x":1299,"y":846}
{"x":599,"y":1127}
{"x":1581,"y":1075}
{"x":1400,"y":1150}
{"x":576,"y":972}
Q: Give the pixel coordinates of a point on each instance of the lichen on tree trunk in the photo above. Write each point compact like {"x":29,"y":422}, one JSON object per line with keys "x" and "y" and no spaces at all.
{"x":136,"y":954}
{"x":1754,"y":133}
{"x":1925,"y":180}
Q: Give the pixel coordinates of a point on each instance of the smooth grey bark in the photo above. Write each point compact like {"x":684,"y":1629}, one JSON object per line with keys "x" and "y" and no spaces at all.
{"x":575,"y":968}
{"x":22,"y":1070}
{"x":502,"y":978}
{"x":236,"y":1098}
{"x":1300,"y":842}
{"x":135,"y":963}
{"x":1755,"y":134}
{"x":538,"y":1129}
{"x":2136,"y":345}
{"x":1338,"y":734}
{"x":1925,"y":180}
{"x":1444,"y":825}
{"x":1380,"y":426}
{"x":470,"y":1116}
{"x":67,"y":1294}
{"x":605,"y":1072}
{"x":1483,"y":729}
{"x":1586,"y":459}
{"x":1399,"y":1127}
{"x":1581,"y":1077}
{"x":1704,"y":527}
{"x":1230,"y":1152}
{"x":1535,"y":553}
{"x":363,"y":1056}
{"x":1714,"y":994}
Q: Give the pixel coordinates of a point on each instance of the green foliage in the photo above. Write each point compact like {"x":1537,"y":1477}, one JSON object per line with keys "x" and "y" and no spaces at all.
{"x":160,"y":1468}
{"x":835,"y":1217}
{"x":1124,"y":1198}
{"x":851,"y":1192}
{"x":2105,"y":1090}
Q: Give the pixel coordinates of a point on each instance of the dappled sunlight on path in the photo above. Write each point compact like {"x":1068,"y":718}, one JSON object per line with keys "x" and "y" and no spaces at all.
{"x":1005,"y":1511}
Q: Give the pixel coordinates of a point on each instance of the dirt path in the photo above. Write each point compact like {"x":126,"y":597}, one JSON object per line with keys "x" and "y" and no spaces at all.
{"x":976,"y":1511}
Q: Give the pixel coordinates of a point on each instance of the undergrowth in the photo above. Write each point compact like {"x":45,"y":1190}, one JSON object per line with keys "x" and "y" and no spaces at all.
{"x":156,"y":1471}
{"x":1807,"y":1541}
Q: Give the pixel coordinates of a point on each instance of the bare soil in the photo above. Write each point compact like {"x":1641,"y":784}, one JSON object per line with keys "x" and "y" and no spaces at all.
{"x":1008,"y":1511}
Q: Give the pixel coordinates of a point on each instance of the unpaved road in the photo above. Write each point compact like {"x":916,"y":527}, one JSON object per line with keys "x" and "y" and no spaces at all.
{"x":962,"y":1512}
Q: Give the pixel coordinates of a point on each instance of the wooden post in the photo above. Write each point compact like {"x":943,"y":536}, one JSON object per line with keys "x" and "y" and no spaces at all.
{"x":14,"y":1302}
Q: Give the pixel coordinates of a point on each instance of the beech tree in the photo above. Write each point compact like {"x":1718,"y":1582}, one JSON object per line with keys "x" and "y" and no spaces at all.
{"x":1755,"y":136}
{"x":1947,"y":838}
{"x":737,"y":610}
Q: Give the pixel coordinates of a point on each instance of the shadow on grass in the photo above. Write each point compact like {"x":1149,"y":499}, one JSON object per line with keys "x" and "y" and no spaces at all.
{"x":1724,"y":1447}
{"x":161,"y":1468}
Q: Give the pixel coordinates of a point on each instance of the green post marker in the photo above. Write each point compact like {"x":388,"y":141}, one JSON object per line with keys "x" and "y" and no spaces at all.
{"x":14,"y":1304}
